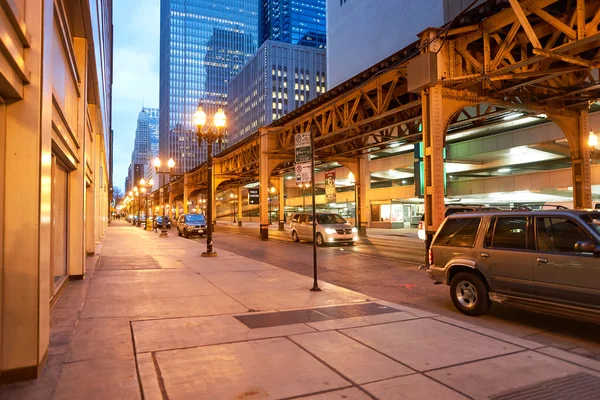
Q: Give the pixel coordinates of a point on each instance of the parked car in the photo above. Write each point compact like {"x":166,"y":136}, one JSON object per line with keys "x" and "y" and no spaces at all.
{"x":453,"y":210}
{"x":545,"y":260}
{"x":191,"y":224}
{"x":158,"y":222}
{"x":331,"y":228}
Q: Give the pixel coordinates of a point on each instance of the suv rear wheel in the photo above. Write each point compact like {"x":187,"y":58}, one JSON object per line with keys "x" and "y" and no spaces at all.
{"x":469,"y":294}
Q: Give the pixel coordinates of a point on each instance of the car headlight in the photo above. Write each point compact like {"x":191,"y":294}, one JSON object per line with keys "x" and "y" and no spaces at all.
{"x":329,"y":231}
{"x":354,"y":230}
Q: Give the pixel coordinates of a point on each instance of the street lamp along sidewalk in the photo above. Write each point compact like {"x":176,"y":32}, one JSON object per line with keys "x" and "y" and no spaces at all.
{"x":171,"y":164}
{"x":210,"y":135}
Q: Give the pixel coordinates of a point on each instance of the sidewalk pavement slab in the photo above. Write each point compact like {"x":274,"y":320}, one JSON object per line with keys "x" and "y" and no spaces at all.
{"x":234,"y":328}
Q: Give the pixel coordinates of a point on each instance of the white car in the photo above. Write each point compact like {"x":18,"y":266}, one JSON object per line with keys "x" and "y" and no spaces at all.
{"x":331,"y":228}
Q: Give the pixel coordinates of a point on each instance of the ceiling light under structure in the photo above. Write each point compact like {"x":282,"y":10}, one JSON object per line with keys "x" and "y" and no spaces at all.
{"x":504,"y":170}
{"x":593,"y":140}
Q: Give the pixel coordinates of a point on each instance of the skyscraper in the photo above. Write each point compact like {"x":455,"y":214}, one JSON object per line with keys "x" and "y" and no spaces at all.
{"x":278,"y":79}
{"x":287,"y":71}
{"x":293,"y":21}
{"x":142,"y":149}
{"x":203,"y":44}
{"x":153,"y":124}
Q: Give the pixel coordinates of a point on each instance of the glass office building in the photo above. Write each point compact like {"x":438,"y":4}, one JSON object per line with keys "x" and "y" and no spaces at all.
{"x":203,"y":44}
{"x":293,"y":21}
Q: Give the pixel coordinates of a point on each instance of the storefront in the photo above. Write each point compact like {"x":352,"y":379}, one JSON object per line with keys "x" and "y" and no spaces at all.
{"x":395,"y":214}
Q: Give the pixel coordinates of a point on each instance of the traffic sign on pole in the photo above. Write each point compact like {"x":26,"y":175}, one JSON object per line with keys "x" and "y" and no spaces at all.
{"x":303,"y":149}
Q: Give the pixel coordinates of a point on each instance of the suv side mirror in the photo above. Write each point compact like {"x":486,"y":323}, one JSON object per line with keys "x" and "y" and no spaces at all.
{"x":587,"y":246}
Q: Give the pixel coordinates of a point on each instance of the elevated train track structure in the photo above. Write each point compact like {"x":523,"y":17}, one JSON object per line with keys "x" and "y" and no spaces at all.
{"x":536,"y":56}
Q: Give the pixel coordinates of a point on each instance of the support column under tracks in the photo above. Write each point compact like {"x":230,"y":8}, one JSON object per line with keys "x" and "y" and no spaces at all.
{"x":576,"y":130}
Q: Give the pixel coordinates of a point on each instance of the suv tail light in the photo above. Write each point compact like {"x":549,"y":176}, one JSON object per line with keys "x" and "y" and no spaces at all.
{"x":430,"y":256}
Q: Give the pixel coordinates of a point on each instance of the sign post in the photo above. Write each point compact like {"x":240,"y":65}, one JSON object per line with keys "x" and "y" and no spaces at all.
{"x":254,"y":196}
{"x":305,"y":168}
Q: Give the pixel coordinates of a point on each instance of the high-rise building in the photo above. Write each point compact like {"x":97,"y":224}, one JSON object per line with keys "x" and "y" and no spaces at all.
{"x":362,"y":33}
{"x":203,"y":44}
{"x":153,"y":114}
{"x":293,"y":21}
{"x":278,"y":79}
{"x":141,"y":148}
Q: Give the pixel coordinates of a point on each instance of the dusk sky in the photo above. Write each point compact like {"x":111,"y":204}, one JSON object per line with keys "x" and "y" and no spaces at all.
{"x":136,"y":74}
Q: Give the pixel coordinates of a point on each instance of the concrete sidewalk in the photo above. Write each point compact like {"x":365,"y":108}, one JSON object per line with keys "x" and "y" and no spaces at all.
{"x":153,"y":318}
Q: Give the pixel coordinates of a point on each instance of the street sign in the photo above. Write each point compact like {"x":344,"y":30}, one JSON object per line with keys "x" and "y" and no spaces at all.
{"x":303,"y":149}
{"x":254,"y":196}
{"x":303,"y":172}
{"x":330,"y":194}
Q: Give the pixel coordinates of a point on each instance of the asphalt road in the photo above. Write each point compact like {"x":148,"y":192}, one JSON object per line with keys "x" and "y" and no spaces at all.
{"x":388,"y":269}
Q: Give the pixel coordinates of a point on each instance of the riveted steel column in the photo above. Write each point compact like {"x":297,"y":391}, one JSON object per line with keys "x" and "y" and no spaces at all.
{"x":582,"y":174}
{"x":186,"y":193}
{"x":281,"y":204}
{"x":240,"y":205}
{"x":264,"y":184}
{"x":363,"y":184}
{"x":576,"y":129}
{"x":433,"y":143}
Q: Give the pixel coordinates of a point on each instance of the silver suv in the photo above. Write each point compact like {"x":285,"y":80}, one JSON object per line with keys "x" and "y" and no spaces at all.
{"x":331,"y":228}
{"x":191,"y":224}
{"x":546,"y":260}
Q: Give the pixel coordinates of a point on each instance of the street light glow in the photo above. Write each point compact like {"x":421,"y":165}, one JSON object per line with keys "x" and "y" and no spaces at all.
{"x":200,"y":117}
{"x":156,"y":163}
{"x":171,"y":163}
{"x":220,"y":118}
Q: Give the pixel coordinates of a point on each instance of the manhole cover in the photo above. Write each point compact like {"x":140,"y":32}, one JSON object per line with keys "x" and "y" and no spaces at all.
{"x":127,"y":262}
{"x":580,"y":386}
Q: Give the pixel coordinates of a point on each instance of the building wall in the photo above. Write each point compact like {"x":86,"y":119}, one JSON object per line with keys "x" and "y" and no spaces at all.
{"x":55,"y":95}
{"x":361,"y":33}
{"x":293,"y":21}
{"x":279,"y":78}
{"x":454,"y":7}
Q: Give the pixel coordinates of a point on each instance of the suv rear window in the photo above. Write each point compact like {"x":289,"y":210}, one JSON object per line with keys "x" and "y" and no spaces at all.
{"x":458,"y":232}
{"x":507,"y":233}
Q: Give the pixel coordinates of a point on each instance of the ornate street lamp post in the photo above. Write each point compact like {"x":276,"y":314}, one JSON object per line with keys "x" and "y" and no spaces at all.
{"x":137,"y":194}
{"x":171,"y":164}
{"x":210,"y":135}
{"x":146,"y":185}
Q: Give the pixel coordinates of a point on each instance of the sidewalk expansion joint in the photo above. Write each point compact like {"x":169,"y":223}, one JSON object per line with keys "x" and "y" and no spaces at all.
{"x":597,"y":369}
{"x":483,"y":334}
{"x":137,"y":368}
{"x":354,"y":384}
{"x":427,"y":371}
{"x":403,"y":364}
{"x":161,"y":381}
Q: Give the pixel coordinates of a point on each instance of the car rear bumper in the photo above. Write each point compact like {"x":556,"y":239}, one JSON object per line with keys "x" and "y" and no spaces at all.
{"x":438,"y":275}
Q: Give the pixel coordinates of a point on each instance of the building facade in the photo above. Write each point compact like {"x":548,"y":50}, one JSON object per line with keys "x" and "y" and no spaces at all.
{"x":361,"y":33}
{"x":278,"y":79}
{"x":55,"y":135}
{"x":146,"y":145}
{"x":293,"y":21}
{"x":203,"y":44}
